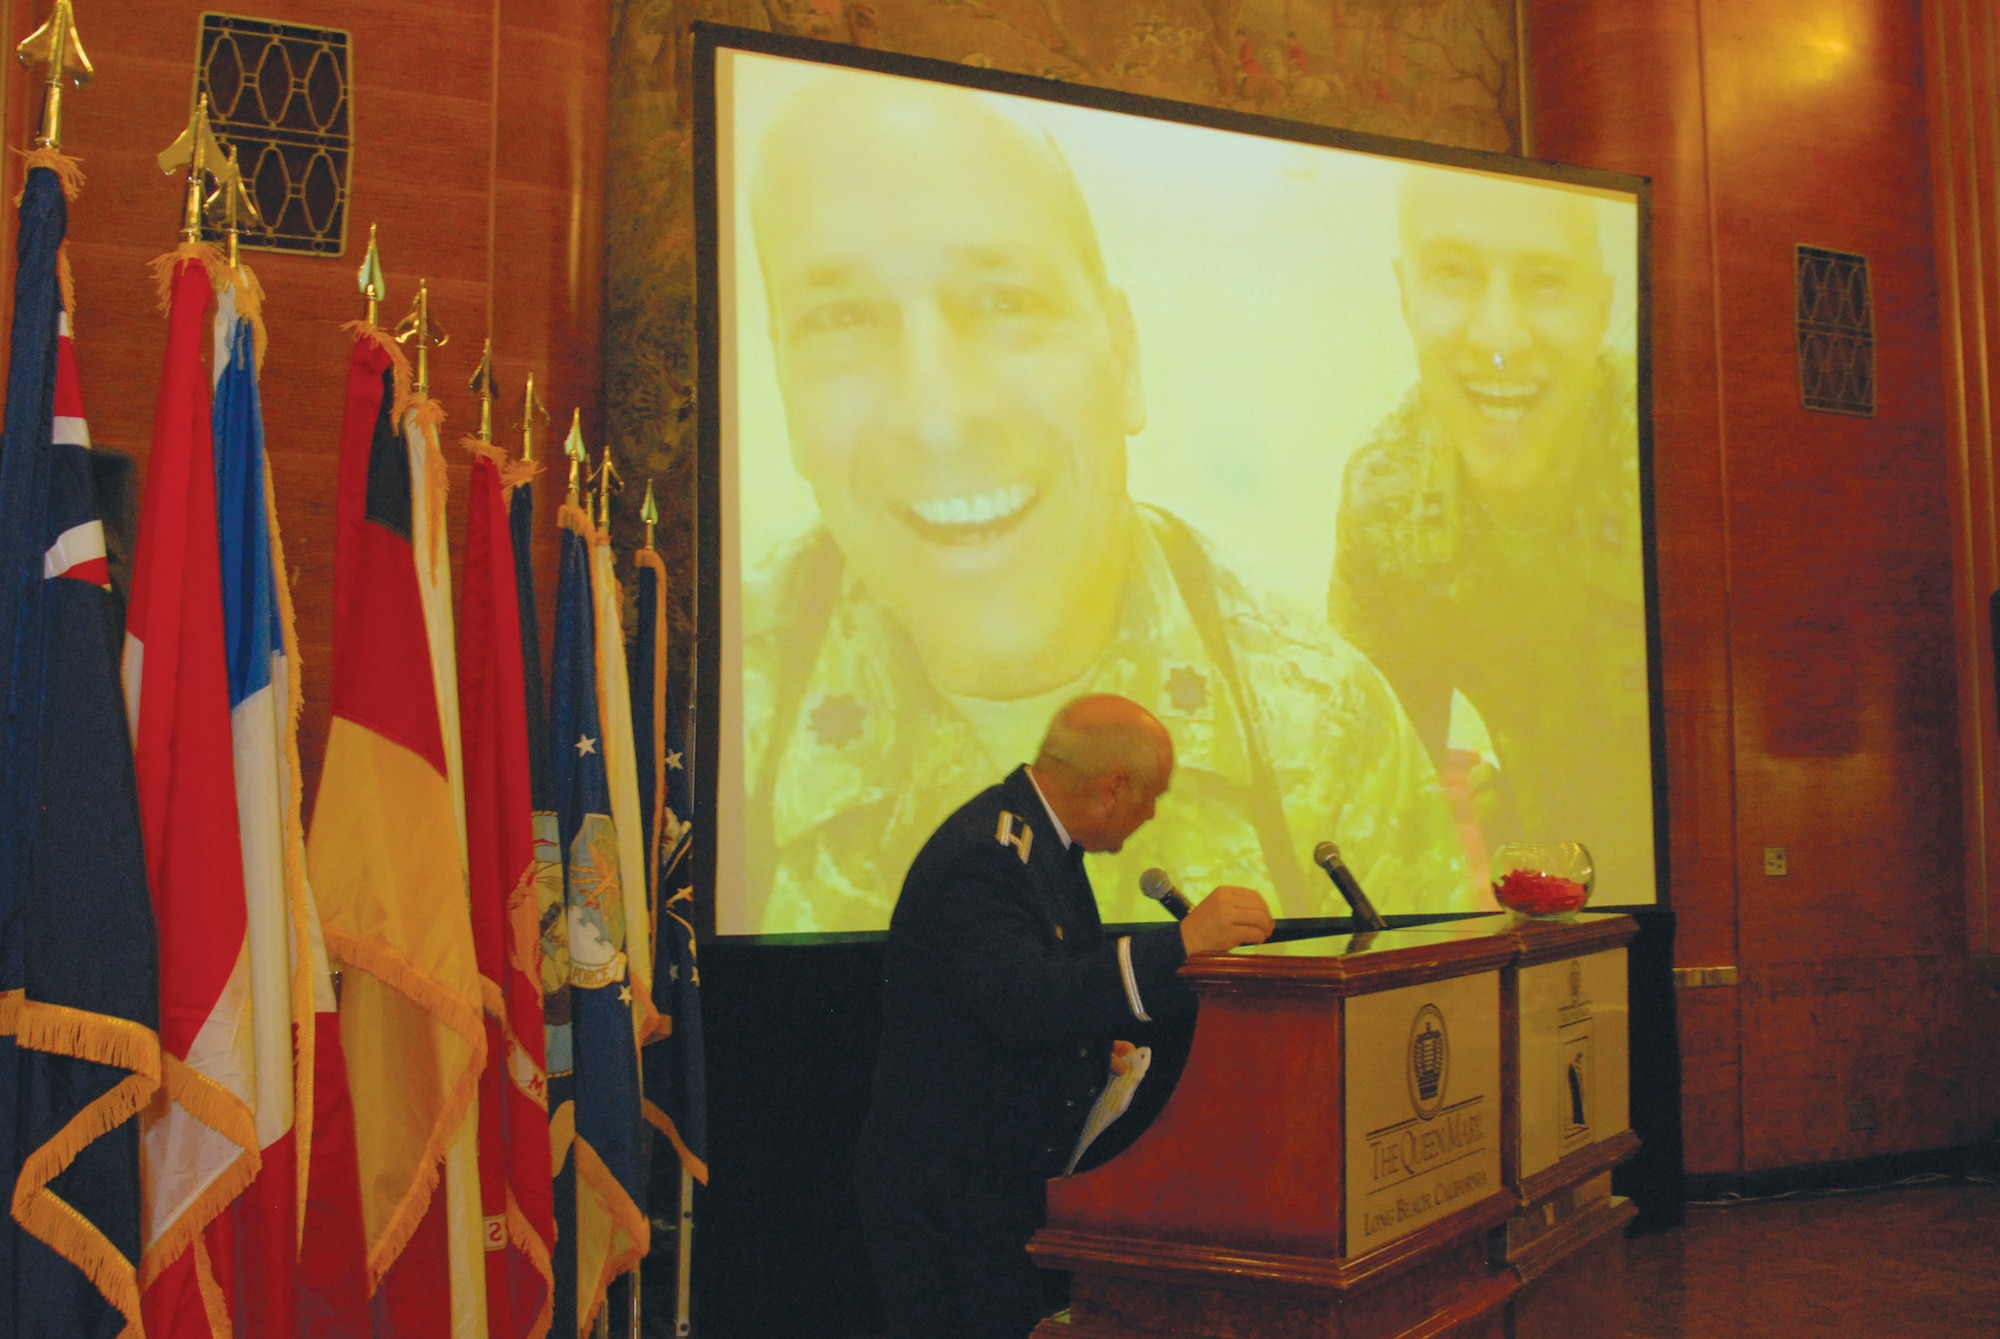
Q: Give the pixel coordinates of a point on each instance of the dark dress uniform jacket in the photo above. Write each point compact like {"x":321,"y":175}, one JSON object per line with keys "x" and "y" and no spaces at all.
{"x":1002,"y":994}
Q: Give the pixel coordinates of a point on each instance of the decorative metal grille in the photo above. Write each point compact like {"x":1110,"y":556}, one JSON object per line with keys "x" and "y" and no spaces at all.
{"x":278,"y":93}
{"x":1836,"y":332}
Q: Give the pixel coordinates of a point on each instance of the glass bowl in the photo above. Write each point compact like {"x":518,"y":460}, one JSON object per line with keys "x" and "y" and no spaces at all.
{"x":1543,"y":881}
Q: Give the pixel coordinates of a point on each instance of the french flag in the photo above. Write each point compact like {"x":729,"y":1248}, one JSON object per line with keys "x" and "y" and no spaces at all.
{"x":199,"y":1144}
{"x":292,"y":1242}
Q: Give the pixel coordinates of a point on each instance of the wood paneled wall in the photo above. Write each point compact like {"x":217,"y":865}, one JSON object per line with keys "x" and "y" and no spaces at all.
{"x":1814,"y":655}
{"x":478,"y":148}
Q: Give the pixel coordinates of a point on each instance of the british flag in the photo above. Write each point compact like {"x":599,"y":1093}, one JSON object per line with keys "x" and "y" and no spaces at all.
{"x":79,"y":986}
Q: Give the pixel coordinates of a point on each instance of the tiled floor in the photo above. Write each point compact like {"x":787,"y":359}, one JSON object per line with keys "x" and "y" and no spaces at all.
{"x":1898,"y":1264}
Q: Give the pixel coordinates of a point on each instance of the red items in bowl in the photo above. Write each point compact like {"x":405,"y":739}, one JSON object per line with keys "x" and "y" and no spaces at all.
{"x":1534,"y":893}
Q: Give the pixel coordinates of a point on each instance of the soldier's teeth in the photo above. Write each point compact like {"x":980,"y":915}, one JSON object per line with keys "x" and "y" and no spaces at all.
{"x":977,"y":509}
{"x":1504,"y":390}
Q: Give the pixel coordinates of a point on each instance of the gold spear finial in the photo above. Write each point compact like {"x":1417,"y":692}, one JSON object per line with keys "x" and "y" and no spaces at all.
{"x":426,"y":332}
{"x":649,"y":511}
{"x":483,"y":386}
{"x":579,"y":459}
{"x":196,"y":150}
{"x":238,"y":204}
{"x":56,"y":45}
{"x":607,"y":475}
{"x":373,"y":286}
{"x":532,"y":409}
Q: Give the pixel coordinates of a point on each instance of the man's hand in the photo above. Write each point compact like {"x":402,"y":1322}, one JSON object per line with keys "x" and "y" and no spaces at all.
{"x":1119,"y":1051}
{"x":1225,"y":918}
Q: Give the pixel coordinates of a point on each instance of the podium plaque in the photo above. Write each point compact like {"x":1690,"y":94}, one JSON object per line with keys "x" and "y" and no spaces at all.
{"x":1566,"y":1035}
{"x":1423,"y":1120}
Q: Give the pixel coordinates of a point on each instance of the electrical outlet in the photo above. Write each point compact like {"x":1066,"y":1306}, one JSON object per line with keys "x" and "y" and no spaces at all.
{"x":1774,"y":861}
{"x":1860,"y":1115}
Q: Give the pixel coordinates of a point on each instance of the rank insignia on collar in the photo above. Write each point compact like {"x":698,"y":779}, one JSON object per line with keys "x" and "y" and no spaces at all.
{"x":837,"y":720}
{"x":1016,"y":834}
{"x":1187,"y":689}
{"x":1059,"y":932}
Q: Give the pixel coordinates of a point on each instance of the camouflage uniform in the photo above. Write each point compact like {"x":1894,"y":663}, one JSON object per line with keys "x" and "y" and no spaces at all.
{"x":1543,"y":632}
{"x":1283,"y":737}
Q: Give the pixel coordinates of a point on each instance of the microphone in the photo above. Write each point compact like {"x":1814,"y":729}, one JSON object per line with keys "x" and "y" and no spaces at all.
{"x":1327,"y":856}
{"x":1157,"y":884}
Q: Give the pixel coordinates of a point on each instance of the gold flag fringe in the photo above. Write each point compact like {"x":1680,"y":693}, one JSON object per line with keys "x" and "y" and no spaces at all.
{"x":513,"y":471}
{"x":305,"y":1014}
{"x":66,"y":284}
{"x":104,"y":1040}
{"x":463,"y":1017}
{"x":523,"y":1237}
{"x":57,"y":1225}
{"x":229,"y":1116}
{"x":165,"y":266}
{"x":68,"y":170}
{"x":398,"y":360}
{"x":427,"y":416}
{"x":517,"y":472}
{"x":590,"y":1170}
{"x":212,"y":1300}
{"x":249,"y":306}
{"x":577,"y":520}
{"x":483,"y":450}
{"x":664,"y":1123}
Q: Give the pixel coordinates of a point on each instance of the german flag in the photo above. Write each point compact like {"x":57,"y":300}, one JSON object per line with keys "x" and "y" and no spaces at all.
{"x":386,"y":851}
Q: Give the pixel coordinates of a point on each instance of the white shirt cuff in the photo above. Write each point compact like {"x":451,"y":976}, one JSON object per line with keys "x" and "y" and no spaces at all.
{"x":1131,"y":982}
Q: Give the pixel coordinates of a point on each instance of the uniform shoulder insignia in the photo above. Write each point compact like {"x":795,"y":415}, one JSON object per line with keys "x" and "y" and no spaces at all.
{"x":1015,"y":833}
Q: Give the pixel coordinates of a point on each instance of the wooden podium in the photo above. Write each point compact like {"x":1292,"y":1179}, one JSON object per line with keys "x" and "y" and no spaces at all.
{"x":1564,"y":1014}
{"x":1342,"y":1156}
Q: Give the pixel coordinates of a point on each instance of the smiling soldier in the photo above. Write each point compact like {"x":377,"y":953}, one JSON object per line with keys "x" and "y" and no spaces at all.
{"x":1489,"y":550}
{"x":959,"y":376}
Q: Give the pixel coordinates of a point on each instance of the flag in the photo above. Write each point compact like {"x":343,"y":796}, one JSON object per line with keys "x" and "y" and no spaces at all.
{"x":595,"y":1137}
{"x":461,"y":1229}
{"x":675,"y":1076}
{"x":621,"y":769}
{"x":200,"y":1144}
{"x":386,"y":858}
{"x":506,"y":925}
{"x":286,"y":1276}
{"x":79,"y":986}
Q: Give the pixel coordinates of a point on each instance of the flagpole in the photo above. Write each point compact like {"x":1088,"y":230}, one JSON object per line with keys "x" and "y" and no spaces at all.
{"x":56,"y":44}
{"x":684,"y":1244}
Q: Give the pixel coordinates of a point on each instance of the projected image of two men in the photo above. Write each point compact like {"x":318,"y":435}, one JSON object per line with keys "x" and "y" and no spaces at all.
{"x":1328,"y":459}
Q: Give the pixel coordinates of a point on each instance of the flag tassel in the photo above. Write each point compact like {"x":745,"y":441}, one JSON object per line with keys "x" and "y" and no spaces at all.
{"x":62,"y":1229}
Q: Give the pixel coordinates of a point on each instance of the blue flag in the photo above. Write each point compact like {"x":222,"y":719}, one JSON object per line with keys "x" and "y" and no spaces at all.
{"x":79,"y":983}
{"x":675,"y":1072}
{"x":601,"y":1229}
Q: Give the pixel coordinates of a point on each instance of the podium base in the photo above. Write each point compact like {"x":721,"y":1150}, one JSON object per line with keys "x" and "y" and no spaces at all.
{"x":1573,"y":1276}
{"x":1451,"y":1294}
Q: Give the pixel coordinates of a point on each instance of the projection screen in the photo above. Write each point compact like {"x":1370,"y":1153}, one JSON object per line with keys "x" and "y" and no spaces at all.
{"x":1329,"y":455}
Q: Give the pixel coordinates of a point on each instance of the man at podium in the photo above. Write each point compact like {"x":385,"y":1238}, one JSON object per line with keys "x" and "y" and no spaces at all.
{"x":1001,"y":1001}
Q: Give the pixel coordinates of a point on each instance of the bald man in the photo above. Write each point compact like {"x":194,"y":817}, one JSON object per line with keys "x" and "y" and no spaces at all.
{"x":1002,"y":1000}
{"x":1490,"y":556}
{"x":959,"y":376}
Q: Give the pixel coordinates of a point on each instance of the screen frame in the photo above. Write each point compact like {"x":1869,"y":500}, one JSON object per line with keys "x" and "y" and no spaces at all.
{"x":711,"y":38}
